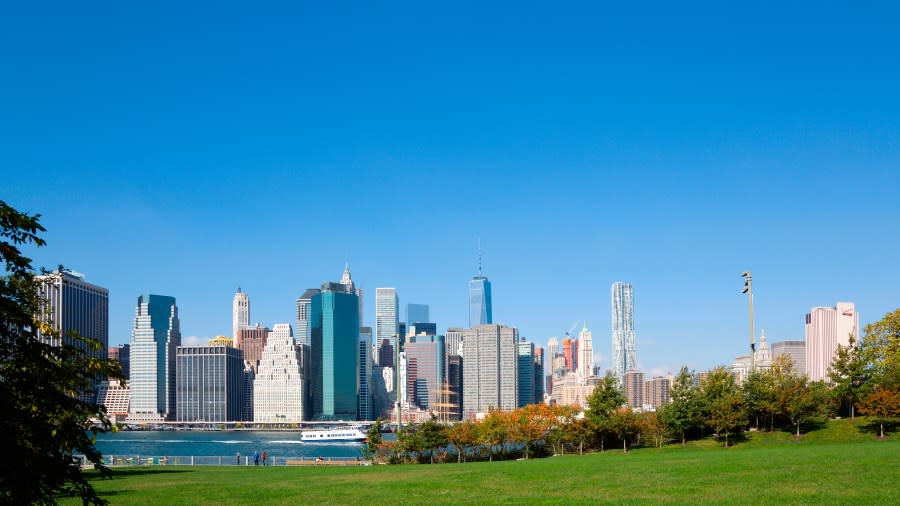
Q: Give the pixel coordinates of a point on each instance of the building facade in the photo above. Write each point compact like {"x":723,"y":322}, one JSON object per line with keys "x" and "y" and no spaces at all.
{"x":826,"y":328}
{"x":634,"y":389}
{"x":585,"y":353}
{"x":304,"y":305}
{"x":425,"y":371}
{"x":794,"y":349}
{"x":71,"y":304}
{"x":122,"y":355}
{"x":209,"y":383}
{"x":155,"y":336}
{"x":480,"y":303}
{"x":334,"y":354}
{"x":252,"y":341}
{"x":623,"y":352}
{"x":387,"y":331}
{"x":656,"y":392}
{"x":364,"y":407}
{"x":525,"y":373}
{"x":278,"y":383}
{"x":240,"y":312}
{"x":490,"y":369}
{"x":417,"y":313}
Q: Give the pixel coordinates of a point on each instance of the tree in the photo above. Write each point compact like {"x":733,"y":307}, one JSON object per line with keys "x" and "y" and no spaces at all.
{"x":882,"y":405}
{"x":492,"y":431}
{"x":434,"y":436}
{"x":603,"y":401}
{"x":758,"y":395}
{"x":373,"y":440}
{"x":849,"y":374}
{"x":723,"y":402}
{"x":881,"y":341}
{"x":650,"y":424}
{"x":801,"y":399}
{"x":462,"y":435}
{"x":47,"y":421}
{"x":534,"y":421}
{"x":683,"y":411}
{"x":624,"y":424}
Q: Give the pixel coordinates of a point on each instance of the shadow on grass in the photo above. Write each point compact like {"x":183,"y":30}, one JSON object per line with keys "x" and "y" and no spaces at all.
{"x":874,"y":428}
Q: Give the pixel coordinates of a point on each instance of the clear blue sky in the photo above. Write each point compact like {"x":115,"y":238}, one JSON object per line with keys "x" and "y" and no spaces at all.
{"x":188,"y":149}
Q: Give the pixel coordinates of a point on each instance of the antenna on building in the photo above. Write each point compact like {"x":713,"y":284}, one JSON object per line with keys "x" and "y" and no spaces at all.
{"x":479,"y":256}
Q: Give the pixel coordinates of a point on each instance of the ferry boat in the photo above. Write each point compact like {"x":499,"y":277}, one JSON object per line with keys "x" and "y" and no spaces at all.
{"x":350,"y":434}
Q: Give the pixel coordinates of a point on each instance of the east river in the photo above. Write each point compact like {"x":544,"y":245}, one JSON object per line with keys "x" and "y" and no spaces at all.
{"x":225,"y":444}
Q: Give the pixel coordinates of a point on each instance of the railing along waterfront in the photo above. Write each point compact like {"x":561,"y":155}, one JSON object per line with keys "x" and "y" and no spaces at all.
{"x":221,"y":460}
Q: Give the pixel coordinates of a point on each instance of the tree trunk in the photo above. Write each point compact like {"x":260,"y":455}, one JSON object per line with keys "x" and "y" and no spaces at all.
{"x":798,"y":429}
{"x":459,"y":456}
{"x":581,"y":448}
{"x":683,"y":441}
{"x":624,"y":445}
{"x":882,"y":429}
{"x":852,"y":411}
{"x":726,"y":439}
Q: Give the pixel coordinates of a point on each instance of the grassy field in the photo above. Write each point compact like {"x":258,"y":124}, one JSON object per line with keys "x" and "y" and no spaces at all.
{"x":837,"y":464}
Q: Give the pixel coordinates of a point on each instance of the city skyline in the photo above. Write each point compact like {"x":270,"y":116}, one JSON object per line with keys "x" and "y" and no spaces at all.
{"x":580,"y":146}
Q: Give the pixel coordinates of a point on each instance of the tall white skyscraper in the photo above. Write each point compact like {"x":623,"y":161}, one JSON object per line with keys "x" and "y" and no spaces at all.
{"x":826,"y":328}
{"x":623,"y":354}
{"x":490,"y":369}
{"x":154,"y":339}
{"x":240,"y":313}
{"x":278,"y":387}
{"x":387,"y":308}
{"x":585,"y":353}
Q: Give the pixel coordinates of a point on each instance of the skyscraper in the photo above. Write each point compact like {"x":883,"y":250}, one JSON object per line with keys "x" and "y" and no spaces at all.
{"x":365,"y":375}
{"x":417,"y":313}
{"x":303,"y":307}
{"x":490,"y":369}
{"x":209,"y":383}
{"x":155,"y":336}
{"x":73,"y":304}
{"x":387,"y":306}
{"x":252,"y":341}
{"x":480,"y":312}
{"x":634,"y":388}
{"x":623,"y":354}
{"x":278,"y":385}
{"x":585,"y":353}
{"x":538,"y":374}
{"x":525,"y":373}
{"x":826,"y":328}
{"x":334,"y":360}
{"x":794,"y":349}
{"x":350,"y":287}
{"x":122,"y":354}
{"x":240,"y":312}
{"x":425,"y":367}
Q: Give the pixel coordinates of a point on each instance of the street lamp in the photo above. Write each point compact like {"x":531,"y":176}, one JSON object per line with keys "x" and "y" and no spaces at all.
{"x":748,"y":289}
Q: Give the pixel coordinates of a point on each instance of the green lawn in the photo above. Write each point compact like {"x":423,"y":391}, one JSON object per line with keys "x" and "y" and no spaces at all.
{"x":835,"y":465}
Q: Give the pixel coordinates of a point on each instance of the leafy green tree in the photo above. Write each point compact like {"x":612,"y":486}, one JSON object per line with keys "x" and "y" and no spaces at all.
{"x":374,"y":440}
{"x":650,"y":425}
{"x":723,"y":402}
{"x":801,"y":399}
{"x":624,"y":424}
{"x":492,"y":432}
{"x":758,"y":396}
{"x":603,"y":402}
{"x":434,"y":436}
{"x":462,"y":435}
{"x":849,"y":374}
{"x":46,"y":420}
{"x":880,"y":349}
{"x":683,"y":413}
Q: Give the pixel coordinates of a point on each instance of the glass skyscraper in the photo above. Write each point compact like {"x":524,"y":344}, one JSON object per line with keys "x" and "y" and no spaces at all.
{"x":304,"y":303}
{"x":387,"y":328}
{"x":480,"y":312}
{"x":417,"y":313}
{"x":526,"y":373}
{"x":154,"y":338}
{"x":210,"y":383}
{"x":334,"y":354}
{"x":623,"y":354}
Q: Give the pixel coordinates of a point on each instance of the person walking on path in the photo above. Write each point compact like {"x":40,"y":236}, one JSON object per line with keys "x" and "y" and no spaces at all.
{"x":238,"y":458}
{"x":256,"y":458}
{"x":264,"y":458}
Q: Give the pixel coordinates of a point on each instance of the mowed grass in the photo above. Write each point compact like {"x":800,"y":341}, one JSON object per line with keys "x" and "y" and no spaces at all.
{"x":765,"y":469}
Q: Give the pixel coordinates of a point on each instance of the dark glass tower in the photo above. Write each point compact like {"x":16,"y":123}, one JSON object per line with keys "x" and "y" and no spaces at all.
{"x":334,"y":325}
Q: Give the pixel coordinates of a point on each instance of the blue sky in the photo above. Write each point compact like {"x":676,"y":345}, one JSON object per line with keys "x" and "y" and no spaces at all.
{"x":188,"y":150}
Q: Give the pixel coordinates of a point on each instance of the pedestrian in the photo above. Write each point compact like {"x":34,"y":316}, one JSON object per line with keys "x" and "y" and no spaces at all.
{"x":264,"y":458}
{"x":238,"y":458}
{"x":256,"y":458}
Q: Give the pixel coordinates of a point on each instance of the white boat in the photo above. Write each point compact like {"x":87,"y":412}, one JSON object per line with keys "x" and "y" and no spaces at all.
{"x":332,"y":435}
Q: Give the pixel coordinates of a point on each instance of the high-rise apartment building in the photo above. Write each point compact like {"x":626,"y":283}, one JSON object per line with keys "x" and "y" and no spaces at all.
{"x":304,"y":304}
{"x":71,"y":304}
{"x":155,"y":336}
{"x":417,"y":313}
{"x":794,"y":349}
{"x":490,"y":369}
{"x":240,"y":312}
{"x":425,"y":368}
{"x":252,"y":341}
{"x":364,"y":405}
{"x":623,"y":353}
{"x":525,"y":373}
{"x":334,"y":354}
{"x":210,"y":386}
{"x":585,"y":353}
{"x":656,"y":392}
{"x":387,"y":306}
{"x":826,"y":328}
{"x":634,"y":388}
{"x":278,"y":384}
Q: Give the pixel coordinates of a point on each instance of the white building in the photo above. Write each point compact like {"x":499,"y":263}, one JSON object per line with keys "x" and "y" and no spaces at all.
{"x":278,"y":386}
{"x":490,"y":369}
{"x":240,"y":314}
{"x":585,"y":353}
{"x":742,"y":366}
{"x":826,"y":328}
{"x":154,"y":339}
{"x":387,"y":307}
{"x":623,"y":353}
{"x":114,"y":397}
{"x":794,"y":349}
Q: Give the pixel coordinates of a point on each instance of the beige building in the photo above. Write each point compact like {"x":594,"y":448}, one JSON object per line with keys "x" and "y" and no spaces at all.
{"x":634,"y":389}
